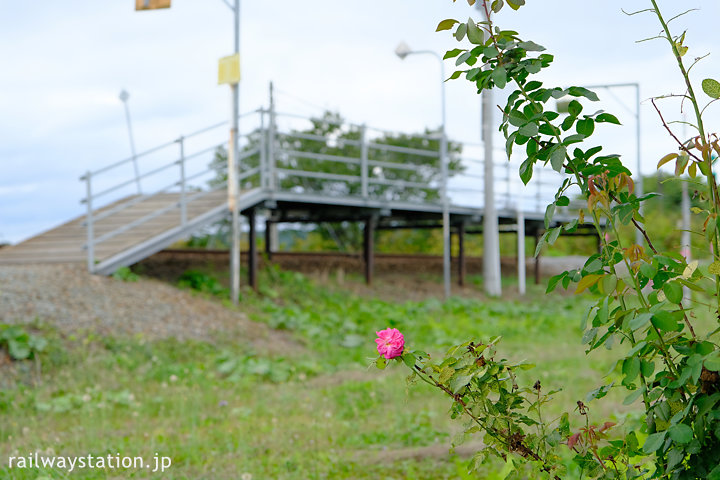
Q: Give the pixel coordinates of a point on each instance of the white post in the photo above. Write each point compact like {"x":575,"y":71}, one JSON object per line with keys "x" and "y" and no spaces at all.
{"x":521,"y":250}
{"x":491,"y":237}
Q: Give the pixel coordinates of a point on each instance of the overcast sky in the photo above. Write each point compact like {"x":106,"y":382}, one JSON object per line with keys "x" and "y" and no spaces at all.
{"x":64,"y":63}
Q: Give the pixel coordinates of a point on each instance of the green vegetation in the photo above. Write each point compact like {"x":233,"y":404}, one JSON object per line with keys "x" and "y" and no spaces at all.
{"x":226,"y":408}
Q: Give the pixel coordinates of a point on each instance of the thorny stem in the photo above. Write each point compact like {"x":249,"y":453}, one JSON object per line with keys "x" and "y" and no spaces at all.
{"x":701,"y":129}
{"x":498,"y":435}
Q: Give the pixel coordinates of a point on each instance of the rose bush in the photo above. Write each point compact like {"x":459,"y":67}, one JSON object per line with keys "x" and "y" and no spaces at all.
{"x":669,"y":360}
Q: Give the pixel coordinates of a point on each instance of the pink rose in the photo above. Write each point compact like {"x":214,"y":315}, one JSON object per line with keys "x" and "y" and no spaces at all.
{"x":390,"y":343}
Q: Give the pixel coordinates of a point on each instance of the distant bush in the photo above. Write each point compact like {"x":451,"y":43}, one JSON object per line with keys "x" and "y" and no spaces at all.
{"x":125,"y":274}
{"x":201,"y":282}
{"x":19,"y":344}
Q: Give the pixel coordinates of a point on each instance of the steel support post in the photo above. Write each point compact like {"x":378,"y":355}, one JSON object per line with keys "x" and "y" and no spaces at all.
{"x":252,"y":251}
{"x":521,"y":251}
{"x":363,"y":162}
{"x":268,"y":239}
{"x":368,"y":249}
{"x":461,"y":254}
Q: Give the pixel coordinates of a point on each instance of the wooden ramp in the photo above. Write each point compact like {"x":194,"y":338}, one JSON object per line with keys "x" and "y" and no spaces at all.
{"x":124,"y":231}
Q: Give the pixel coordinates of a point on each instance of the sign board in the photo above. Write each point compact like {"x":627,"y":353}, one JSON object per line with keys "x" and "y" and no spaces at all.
{"x":229,"y":69}
{"x":151,"y":4}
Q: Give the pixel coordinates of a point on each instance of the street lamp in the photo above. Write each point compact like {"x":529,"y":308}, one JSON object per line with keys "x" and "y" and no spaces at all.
{"x":124,"y":96}
{"x":402,"y":51}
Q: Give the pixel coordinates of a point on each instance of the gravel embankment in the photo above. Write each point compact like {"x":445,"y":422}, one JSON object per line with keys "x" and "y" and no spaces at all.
{"x":74,"y":301}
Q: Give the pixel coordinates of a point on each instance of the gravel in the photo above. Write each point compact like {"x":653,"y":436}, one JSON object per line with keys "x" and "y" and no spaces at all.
{"x":74,"y":301}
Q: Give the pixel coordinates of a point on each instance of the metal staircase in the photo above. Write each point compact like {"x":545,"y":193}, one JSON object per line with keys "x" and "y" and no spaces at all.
{"x":130,"y":216}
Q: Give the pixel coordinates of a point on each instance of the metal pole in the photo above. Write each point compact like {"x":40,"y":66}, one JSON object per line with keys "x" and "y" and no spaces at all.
{"x":444,"y":189}
{"x":232,"y":172}
{"x":403,"y":51}
{"x":363,"y":162}
{"x":491,"y":237}
{"x":90,"y":233}
{"x":272,"y":178}
{"x":263,"y":153}
{"x":183,"y":199}
{"x":521,"y":250}
{"x":124,"y":96}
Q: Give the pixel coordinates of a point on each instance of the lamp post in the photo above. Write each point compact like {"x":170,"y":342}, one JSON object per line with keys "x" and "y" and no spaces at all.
{"x":402,"y":51}
{"x":124,"y":96}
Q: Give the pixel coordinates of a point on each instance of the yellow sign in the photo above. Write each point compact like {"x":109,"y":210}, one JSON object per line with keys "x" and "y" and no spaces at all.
{"x":229,"y":69}
{"x":151,"y":4}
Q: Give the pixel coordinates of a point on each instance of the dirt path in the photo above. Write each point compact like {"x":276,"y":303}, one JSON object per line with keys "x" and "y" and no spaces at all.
{"x":73,"y":301}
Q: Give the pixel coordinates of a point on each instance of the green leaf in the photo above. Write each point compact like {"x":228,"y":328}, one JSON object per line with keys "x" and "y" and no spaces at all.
{"x":587,"y":282}
{"x":529,"y":130}
{"x":654,"y":442}
{"x":474,"y":34}
{"x":648,"y":270}
{"x":18,"y":350}
{"x":515,"y":4}
{"x":452,"y":53}
{"x":714,"y":268}
{"x":631,"y":369}
{"x":531,"y":46}
{"x":574,"y":108}
{"x":557,"y":157}
{"x":409,"y":359}
{"x":607,"y":118}
{"x":585,"y":126}
{"x":711,"y":88}
{"x":499,"y":76}
{"x":381,"y":363}
{"x":460,"y":32}
{"x":459,"y":381}
{"x":526,"y":172}
{"x":681,"y":433}
{"x":664,"y":321}
{"x":583,"y":92}
{"x":549,"y":213}
{"x":462,"y":58}
{"x":673,"y":292}
{"x":446,"y":24}
{"x":640,"y":321}
{"x":713,"y":363}
{"x":633,"y":396}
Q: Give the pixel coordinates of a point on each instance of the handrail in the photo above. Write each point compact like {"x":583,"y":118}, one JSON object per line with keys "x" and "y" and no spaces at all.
{"x":411,"y":151}
{"x":320,"y":156}
{"x":274,"y":162}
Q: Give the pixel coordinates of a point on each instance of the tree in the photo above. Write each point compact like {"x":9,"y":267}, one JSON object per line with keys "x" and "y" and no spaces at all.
{"x":311,"y":149}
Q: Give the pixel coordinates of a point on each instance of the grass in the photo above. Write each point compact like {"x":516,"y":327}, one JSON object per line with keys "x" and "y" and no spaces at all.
{"x":222,"y":410}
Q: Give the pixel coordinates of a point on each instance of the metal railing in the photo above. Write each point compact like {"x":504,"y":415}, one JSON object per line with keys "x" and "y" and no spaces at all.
{"x":287,"y":153}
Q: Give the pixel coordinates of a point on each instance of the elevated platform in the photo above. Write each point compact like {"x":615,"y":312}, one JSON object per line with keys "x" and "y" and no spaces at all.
{"x":286,"y":173}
